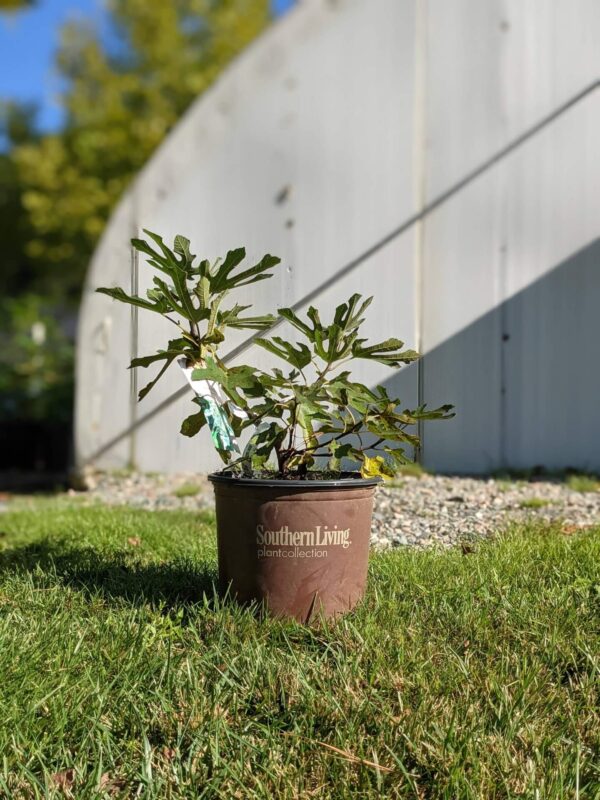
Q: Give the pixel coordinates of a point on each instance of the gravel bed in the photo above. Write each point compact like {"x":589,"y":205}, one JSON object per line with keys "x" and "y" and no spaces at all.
{"x":444,"y":511}
{"x":150,"y":490}
{"x":431,"y":510}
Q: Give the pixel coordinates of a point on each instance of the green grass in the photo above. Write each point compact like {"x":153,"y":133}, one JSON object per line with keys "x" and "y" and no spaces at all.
{"x":187,"y":490}
{"x":535,"y":502}
{"x":504,"y":484}
{"x":394,"y":484}
{"x":123,"y":472}
{"x":583,"y":483}
{"x":515,"y":475}
{"x":578,"y":482}
{"x":124,"y":675}
{"x":412,"y":470}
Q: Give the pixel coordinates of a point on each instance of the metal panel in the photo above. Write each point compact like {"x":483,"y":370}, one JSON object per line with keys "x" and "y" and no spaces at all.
{"x":522,"y":62}
{"x":465,"y":124}
{"x":333,"y":129}
{"x":550,"y":53}
{"x":552,"y":301}
{"x":495,"y":68}
{"x":270,"y":161}
{"x":103,"y":403}
{"x":461,"y":262}
{"x":510,"y":282}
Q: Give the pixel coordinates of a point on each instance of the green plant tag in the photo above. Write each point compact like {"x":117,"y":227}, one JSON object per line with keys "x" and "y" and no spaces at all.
{"x":211,"y":401}
{"x":220,"y":429}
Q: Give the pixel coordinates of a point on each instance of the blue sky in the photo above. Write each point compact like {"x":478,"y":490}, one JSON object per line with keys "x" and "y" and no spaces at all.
{"x":28,"y":40}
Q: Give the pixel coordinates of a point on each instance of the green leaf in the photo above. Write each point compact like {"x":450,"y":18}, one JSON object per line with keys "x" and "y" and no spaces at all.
{"x":397,"y":456}
{"x":307,"y":412}
{"x":298,"y":356}
{"x":387,"y":352}
{"x":376,"y":467}
{"x":308,"y":408}
{"x":181,"y":246}
{"x":354,"y":319}
{"x":289,"y":315}
{"x":231,"y":319}
{"x":265,"y":440}
{"x":176,"y":347}
{"x":146,"y":361}
{"x":213,"y":312}
{"x":258,"y":461}
{"x":313,"y":316}
{"x":232,"y":380}
{"x":349,"y":393}
{"x":191,"y":425}
{"x":347,"y":317}
{"x":334,"y":334}
{"x":159,"y":306}
{"x":168,"y":256}
{"x":203,"y":269}
{"x":187,"y":310}
{"x":202,"y":291}
{"x":443,"y":412}
{"x":390,"y":433}
{"x":220,"y":278}
{"x":156,"y":260}
{"x":178,"y":271}
{"x":338,"y":451}
{"x":304,"y":460}
{"x":253,"y":274}
{"x":143,"y":392}
{"x":168,"y":292}
{"x":260,"y":323}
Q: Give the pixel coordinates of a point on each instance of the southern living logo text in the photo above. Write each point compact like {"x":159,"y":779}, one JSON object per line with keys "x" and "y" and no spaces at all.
{"x":284,"y":543}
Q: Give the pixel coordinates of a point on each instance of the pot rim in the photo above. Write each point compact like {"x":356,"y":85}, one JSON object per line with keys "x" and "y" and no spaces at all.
{"x":351,"y":480}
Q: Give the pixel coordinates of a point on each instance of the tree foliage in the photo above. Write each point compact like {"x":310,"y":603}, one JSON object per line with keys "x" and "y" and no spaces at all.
{"x":15,"y":5}
{"x":124,"y":92}
{"x":17,"y":273}
{"x":36,"y":381}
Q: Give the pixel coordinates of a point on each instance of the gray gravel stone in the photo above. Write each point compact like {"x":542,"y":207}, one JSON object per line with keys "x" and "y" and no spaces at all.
{"x":432,"y":510}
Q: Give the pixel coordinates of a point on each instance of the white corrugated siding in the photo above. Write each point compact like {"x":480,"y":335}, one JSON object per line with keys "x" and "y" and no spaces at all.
{"x":365,"y":111}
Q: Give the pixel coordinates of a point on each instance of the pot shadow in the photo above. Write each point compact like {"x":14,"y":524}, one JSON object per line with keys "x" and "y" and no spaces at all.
{"x":115,"y":576}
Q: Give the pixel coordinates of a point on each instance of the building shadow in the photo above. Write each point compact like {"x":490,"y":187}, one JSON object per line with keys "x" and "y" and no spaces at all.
{"x":524,"y":379}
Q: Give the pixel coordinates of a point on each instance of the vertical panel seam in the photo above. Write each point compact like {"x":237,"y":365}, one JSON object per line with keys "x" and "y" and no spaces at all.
{"x":419,"y":188}
{"x":133,"y":353}
{"x":502,"y":244}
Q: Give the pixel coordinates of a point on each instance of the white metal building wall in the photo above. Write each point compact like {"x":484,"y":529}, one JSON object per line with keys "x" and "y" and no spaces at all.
{"x":441,"y":154}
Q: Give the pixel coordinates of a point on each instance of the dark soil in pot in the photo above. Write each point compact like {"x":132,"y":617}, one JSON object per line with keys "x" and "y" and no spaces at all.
{"x":299,"y":547}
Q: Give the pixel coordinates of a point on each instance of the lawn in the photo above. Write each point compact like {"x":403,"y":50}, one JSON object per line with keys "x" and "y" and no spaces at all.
{"x":465,"y":674}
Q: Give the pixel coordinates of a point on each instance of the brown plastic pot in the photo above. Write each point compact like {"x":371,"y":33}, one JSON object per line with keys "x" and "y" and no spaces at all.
{"x":299,"y":548}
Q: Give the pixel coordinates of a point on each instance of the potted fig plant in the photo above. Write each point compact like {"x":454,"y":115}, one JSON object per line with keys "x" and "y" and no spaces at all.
{"x":294,"y":501}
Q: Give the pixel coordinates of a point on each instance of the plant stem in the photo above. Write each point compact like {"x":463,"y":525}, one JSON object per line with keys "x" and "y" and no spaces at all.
{"x":292,"y":426}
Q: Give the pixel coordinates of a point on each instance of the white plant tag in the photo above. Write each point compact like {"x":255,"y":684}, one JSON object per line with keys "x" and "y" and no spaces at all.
{"x":212,"y":399}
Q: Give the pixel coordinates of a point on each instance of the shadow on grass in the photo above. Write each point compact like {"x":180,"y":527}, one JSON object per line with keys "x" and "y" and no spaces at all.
{"x":114,"y":576}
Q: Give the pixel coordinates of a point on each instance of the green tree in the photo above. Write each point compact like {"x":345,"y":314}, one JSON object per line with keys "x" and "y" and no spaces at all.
{"x":16,"y":268}
{"x":14,"y":5}
{"x":36,"y":356}
{"x":123,"y":94}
